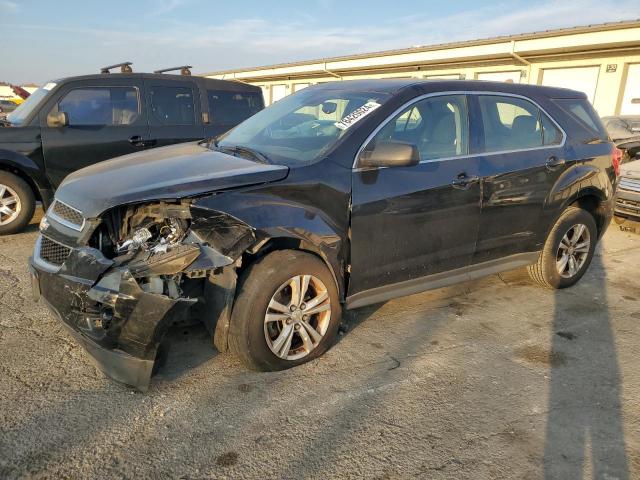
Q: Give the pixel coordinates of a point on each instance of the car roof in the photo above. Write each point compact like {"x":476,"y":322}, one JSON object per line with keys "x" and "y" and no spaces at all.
{"x":394,"y":85}
{"x":202,"y":81}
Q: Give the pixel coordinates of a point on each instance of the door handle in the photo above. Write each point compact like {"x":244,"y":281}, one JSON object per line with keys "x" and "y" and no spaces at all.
{"x":464,"y":181}
{"x":137,"y":141}
{"x":554,"y":162}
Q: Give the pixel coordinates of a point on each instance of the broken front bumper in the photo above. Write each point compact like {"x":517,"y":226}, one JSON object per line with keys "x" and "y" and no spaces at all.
{"x":105,"y":309}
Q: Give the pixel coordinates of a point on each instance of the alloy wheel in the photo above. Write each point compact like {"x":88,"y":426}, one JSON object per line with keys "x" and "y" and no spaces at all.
{"x":573,"y":250}
{"x":297,"y":317}
{"x":10,"y":205}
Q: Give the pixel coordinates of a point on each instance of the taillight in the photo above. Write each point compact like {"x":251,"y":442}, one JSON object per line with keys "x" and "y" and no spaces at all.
{"x":616,"y":159}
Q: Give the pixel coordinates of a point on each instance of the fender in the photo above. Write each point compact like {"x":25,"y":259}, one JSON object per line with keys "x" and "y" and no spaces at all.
{"x":274,"y":218}
{"x":24,"y":164}
{"x":577,"y":182}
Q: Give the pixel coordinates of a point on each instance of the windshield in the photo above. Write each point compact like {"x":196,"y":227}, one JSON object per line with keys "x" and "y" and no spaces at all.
{"x":20,"y":114}
{"x":300,"y":128}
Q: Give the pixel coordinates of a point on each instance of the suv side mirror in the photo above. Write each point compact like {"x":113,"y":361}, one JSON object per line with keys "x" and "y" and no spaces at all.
{"x":390,"y":154}
{"x":58,"y":119}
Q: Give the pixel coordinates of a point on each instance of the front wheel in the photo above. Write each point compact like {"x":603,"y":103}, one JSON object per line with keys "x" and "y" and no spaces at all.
{"x":568,"y":250}
{"x":287,"y":311}
{"x":17,"y":203}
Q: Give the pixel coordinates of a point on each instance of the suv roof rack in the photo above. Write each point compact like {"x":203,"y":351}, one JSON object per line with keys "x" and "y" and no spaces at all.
{"x":184,"y":70}
{"x":125,"y":67}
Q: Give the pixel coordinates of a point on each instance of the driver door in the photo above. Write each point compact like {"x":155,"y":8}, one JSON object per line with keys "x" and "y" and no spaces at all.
{"x":106,"y":119}
{"x":411,"y":226}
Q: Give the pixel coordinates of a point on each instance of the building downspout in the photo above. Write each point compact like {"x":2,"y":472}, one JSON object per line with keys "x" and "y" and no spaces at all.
{"x":522,"y":60}
{"x":330,"y":72}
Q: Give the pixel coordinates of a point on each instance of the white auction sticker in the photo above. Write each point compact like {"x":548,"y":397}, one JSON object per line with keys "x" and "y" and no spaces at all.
{"x":49,"y":86}
{"x":356,"y":115}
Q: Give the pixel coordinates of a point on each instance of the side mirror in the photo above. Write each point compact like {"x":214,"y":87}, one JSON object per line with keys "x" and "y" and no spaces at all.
{"x":59,"y":119}
{"x":390,"y":154}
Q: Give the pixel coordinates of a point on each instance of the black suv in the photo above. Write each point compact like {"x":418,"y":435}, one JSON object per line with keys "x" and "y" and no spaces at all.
{"x":339,"y":196}
{"x":75,"y":122}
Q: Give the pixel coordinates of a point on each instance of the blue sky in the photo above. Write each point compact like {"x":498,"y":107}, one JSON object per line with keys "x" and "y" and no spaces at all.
{"x":43,"y":40}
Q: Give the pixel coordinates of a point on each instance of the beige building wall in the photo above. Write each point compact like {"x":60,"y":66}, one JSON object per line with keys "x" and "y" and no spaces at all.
{"x":601,"y":60}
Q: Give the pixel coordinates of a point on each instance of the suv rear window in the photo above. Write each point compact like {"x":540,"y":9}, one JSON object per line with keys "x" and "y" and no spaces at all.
{"x":230,"y":108}
{"x":512,"y":123}
{"x":172,"y":105}
{"x":583,"y":112}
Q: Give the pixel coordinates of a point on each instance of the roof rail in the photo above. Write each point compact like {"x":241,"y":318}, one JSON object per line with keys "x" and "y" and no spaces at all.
{"x":125,"y":67}
{"x":184,"y":70}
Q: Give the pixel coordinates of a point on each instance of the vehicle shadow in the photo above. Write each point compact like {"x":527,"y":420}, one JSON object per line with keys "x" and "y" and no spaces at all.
{"x":184,"y":348}
{"x":584,"y":426}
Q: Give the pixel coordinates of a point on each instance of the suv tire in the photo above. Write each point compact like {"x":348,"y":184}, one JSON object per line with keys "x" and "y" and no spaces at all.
{"x":15,"y":196}
{"x":568,"y":250}
{"x":269,"y":327}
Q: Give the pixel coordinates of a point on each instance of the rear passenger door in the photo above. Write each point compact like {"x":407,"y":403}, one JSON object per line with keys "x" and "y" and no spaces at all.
{"x":521,"y":158}
{"x":228,"y":108}
{"x":174,"y":112}
{"x":106,"y":119}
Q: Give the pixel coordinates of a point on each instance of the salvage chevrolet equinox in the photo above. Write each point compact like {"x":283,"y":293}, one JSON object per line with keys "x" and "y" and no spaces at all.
{"x":339,"y":196}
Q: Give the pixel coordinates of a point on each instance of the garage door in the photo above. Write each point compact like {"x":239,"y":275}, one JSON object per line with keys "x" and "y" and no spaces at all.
{"x":449,"y":76}
{"x":278,"y":92}
{"x":299,"y":86}
{"x":631,"y":98}
{"x":583,"y":79}
{"x":511,"y":77}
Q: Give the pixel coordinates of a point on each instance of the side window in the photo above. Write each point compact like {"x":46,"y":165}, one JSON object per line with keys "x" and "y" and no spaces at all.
{"x":509,"y":123}
{"x":582,"y":110}
{"x":172,"y":105}
{"x":438,"y":126}
{"x":231,"y":108}
{"x":410,"y":120}
{"x":101,"y":106}
{"x":551,"y":135}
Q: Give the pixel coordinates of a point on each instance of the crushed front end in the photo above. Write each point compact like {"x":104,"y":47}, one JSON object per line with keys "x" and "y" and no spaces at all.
{"x":119,"y":282}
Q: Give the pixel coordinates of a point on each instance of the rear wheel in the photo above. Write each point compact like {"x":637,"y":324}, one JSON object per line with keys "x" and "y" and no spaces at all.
{"x":17,"y":203}
{"x":568,"y":250}
{"x":287,"y":311}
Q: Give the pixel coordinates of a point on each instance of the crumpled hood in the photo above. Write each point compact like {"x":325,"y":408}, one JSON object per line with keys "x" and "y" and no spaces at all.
{"x":630,"y":169}
{"x":172,"y":172}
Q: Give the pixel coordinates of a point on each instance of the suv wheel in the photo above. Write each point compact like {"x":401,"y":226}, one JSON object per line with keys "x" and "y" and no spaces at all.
{"x":17,"y":203}
{"x":568,"y":250}
{"x":287,"y":311}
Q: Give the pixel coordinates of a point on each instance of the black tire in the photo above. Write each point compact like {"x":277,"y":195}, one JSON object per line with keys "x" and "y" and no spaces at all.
{"x":255,"y":289}
{"x":27,"y":203}
{"x":545,"y":271}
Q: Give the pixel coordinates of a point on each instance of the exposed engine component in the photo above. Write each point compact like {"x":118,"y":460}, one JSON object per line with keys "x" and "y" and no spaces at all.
{"x":154,"y":237}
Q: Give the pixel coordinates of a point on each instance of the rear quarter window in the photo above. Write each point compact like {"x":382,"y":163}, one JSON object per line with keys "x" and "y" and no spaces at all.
{"x":582,"y":111}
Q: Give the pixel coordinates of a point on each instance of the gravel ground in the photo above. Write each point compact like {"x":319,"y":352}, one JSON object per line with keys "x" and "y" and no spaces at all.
{"x":489,"y":379}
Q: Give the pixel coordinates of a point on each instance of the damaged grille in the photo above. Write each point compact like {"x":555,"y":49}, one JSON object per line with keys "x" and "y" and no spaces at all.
{"x":53,"y":252}
{"x":66,"y":215}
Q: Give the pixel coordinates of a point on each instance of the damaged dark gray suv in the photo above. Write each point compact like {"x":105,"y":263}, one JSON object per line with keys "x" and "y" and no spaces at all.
{"x":339,"y":196}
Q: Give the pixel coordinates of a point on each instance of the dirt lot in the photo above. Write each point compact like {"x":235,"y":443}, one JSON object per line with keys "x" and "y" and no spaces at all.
{"x":491,"y":379}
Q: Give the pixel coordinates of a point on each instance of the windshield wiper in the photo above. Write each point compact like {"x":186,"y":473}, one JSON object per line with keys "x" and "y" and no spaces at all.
{"x":238,"y":149}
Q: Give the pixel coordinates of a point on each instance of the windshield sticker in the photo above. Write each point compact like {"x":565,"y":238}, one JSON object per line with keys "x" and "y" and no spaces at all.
{"x":356,"y":115}
{"x":49,"y":86}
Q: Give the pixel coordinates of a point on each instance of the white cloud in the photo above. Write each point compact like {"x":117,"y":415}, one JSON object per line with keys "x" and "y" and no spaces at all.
{"x":8,"y":7}
{"x":166,"y":6}
{"x":254,"y":41}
